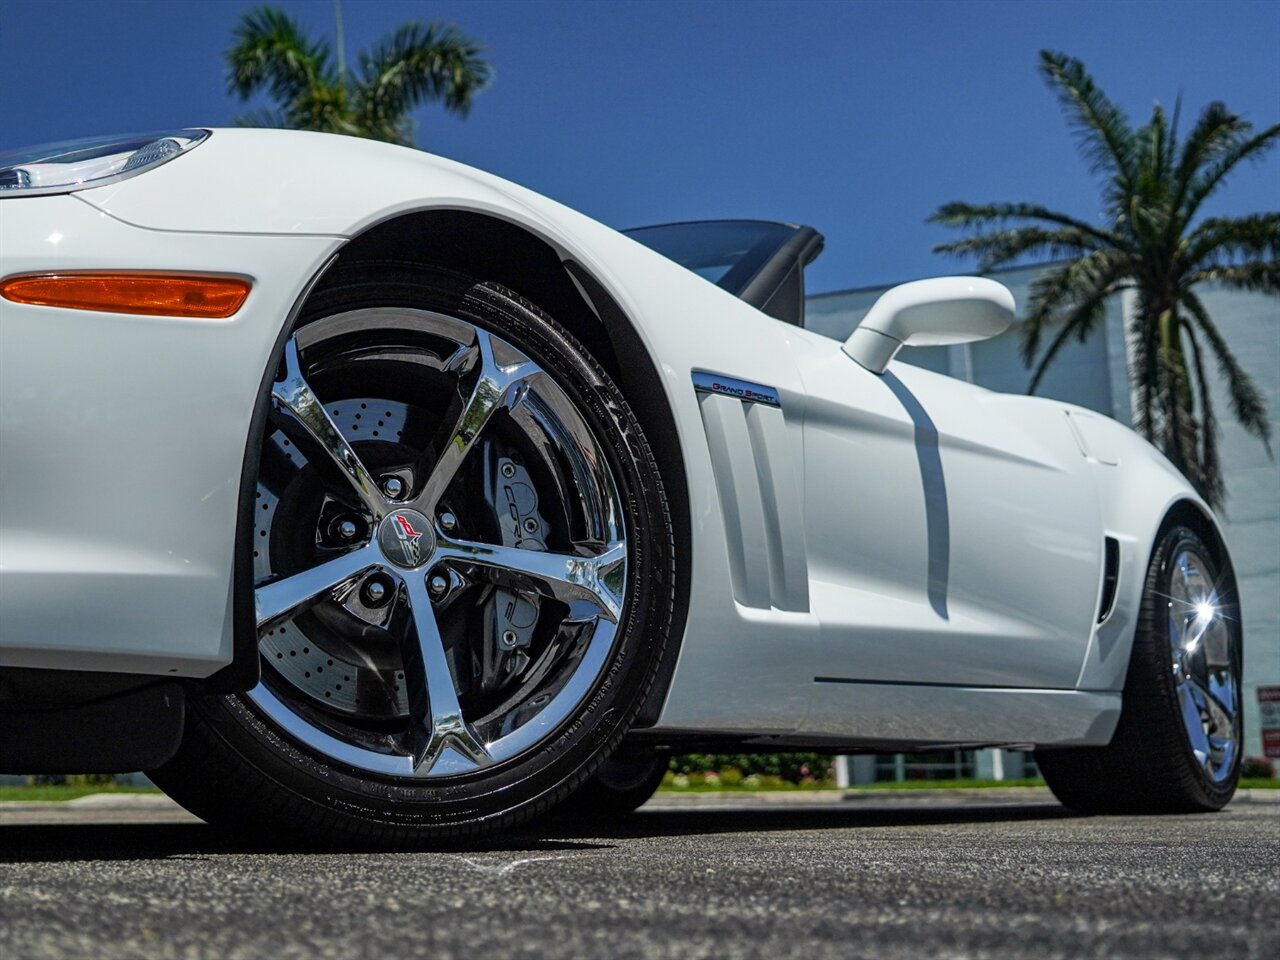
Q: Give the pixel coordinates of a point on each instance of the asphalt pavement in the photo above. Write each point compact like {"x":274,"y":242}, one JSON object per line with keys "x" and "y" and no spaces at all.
{"x":1003,"y":875}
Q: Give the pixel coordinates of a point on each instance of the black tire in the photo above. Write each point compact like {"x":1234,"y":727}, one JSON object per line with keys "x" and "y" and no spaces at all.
{"x":1150,"y":767}
{"x":238,"y":769}
{"x":621,"y":786}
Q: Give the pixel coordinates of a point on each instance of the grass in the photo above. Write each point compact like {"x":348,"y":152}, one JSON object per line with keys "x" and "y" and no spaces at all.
{"x":44,"y":792}
{"x":1259,"y":783}
{"x":699,"y":785}
{"x":966,"y":784}
{"x":702,"y":786}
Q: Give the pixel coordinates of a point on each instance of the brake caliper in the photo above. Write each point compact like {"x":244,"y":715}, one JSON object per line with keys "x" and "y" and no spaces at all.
{"x":513,"y":614}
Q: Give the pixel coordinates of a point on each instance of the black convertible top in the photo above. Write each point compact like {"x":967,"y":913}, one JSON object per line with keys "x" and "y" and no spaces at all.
{"x":760,"y":261}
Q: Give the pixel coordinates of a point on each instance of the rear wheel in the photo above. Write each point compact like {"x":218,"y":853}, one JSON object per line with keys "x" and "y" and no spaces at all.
{"x":464,"y":573}
{"x":1176,"y":748}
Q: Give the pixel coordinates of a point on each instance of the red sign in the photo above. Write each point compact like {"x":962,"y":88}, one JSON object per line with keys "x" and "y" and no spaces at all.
{"x":1269,"y":708}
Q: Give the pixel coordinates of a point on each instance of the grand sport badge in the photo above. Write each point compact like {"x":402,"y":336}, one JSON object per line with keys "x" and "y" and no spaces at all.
{"x":743,"y":390}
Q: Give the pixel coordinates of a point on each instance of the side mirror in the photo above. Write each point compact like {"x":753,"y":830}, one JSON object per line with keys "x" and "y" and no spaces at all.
{"x":928,"y":313}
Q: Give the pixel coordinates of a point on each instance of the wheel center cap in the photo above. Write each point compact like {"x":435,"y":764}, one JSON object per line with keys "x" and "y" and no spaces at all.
{"x":406,"y":538}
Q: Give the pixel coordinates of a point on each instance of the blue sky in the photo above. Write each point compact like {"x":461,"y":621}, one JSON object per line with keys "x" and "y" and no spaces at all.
{"x":856,"y":117}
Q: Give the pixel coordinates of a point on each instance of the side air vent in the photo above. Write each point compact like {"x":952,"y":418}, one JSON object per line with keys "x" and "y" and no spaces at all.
{"x":756,"y":460}
{"x":1110,"y":577}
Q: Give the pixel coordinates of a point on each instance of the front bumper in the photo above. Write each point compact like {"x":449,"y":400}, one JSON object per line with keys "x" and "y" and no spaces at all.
{"x":122,"y":442}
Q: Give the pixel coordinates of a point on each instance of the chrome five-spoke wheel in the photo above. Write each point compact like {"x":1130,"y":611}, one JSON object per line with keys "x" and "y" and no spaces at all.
{"x":435,"y":549}
{"x":451,"y":525}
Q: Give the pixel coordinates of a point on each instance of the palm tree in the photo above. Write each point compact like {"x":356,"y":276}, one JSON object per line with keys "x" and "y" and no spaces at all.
{"x":1153,"y":241}
{"x":415,"y":64}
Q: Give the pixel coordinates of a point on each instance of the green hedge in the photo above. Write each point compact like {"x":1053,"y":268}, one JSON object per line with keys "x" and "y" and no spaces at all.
{"x":789,"y":767}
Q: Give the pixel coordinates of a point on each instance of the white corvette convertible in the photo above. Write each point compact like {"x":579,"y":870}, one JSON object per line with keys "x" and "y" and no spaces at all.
{"x":358,"y":494}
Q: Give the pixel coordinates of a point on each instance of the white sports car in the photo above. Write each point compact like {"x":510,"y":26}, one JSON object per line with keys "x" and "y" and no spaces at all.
{"x":359,"y":494}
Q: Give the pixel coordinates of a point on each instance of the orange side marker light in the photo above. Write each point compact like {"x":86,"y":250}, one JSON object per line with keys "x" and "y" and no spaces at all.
{"x":154,"y":295}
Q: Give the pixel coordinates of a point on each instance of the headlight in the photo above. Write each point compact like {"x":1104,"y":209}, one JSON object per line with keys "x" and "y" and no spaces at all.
{"x":77,"y":164}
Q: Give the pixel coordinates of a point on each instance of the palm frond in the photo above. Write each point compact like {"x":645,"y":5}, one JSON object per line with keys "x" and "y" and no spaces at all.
{"x":996,"y":249}
{"x":1101,"y":127}
{"x":1260,"y":276}
{"x":324,"y":108}
{"x":1080,"y":322}
{"x":1147,"y":214}
{"x":1247,"y":401}
{"x":1089,"y":279}
{"x":1215,"y":128}
{"x":1153,"y":147}
{"x":271,"y":51}
{"x":1207,"y":474}
{"x":1221,"y":241}
{"x":1216,"y":173}
{"x":416,"y":64}
{"x":961,"y":215}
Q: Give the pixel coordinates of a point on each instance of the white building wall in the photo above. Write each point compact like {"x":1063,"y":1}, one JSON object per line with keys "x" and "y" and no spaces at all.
{"x":1094,"y":374}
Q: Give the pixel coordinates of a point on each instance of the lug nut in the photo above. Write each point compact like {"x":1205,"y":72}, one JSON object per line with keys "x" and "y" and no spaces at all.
{"x":347,"y":529}
{"x":448,"y":521}
{"x":393,"y":487}
{"x":375,"y":591}
{"x":438,"y":584}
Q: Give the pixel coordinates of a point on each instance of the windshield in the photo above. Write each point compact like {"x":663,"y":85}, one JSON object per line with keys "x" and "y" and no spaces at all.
{"x":729,"y":253}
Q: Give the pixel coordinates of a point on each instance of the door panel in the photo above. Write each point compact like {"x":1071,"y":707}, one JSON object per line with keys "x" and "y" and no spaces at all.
{"x":953,"y":534}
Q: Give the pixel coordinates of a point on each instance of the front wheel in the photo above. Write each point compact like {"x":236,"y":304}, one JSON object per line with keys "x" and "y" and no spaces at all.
{"x":464,"y":580}
{"x":1176,"y":748}
{"x":621,"y":786}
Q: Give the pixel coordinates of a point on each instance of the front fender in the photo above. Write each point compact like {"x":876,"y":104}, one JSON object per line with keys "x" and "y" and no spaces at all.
{"x":1138,"y":489}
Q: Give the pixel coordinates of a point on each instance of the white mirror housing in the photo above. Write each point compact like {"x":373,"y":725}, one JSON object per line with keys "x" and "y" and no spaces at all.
{"x":930,"y":313}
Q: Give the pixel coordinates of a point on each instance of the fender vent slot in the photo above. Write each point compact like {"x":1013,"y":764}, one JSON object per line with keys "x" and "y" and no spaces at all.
{"x":757,"y":462}
{"x":1110,"y":577}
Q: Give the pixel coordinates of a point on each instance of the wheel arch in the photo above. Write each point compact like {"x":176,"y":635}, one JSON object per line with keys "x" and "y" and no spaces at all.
{"x":483,"y":245}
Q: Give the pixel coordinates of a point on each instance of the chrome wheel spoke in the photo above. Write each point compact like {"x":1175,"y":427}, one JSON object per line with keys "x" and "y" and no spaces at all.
{"x":303,"y":417}
{"x":434,"y":711}
{"x":1223,"y":690}
{"x":1191,"y":718}
{"x":565,"y":577}
{"x":1216,"y":640}
{"x":1219,"y":712}
{"x":496,"y":385}
{"x":293,"y":594}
